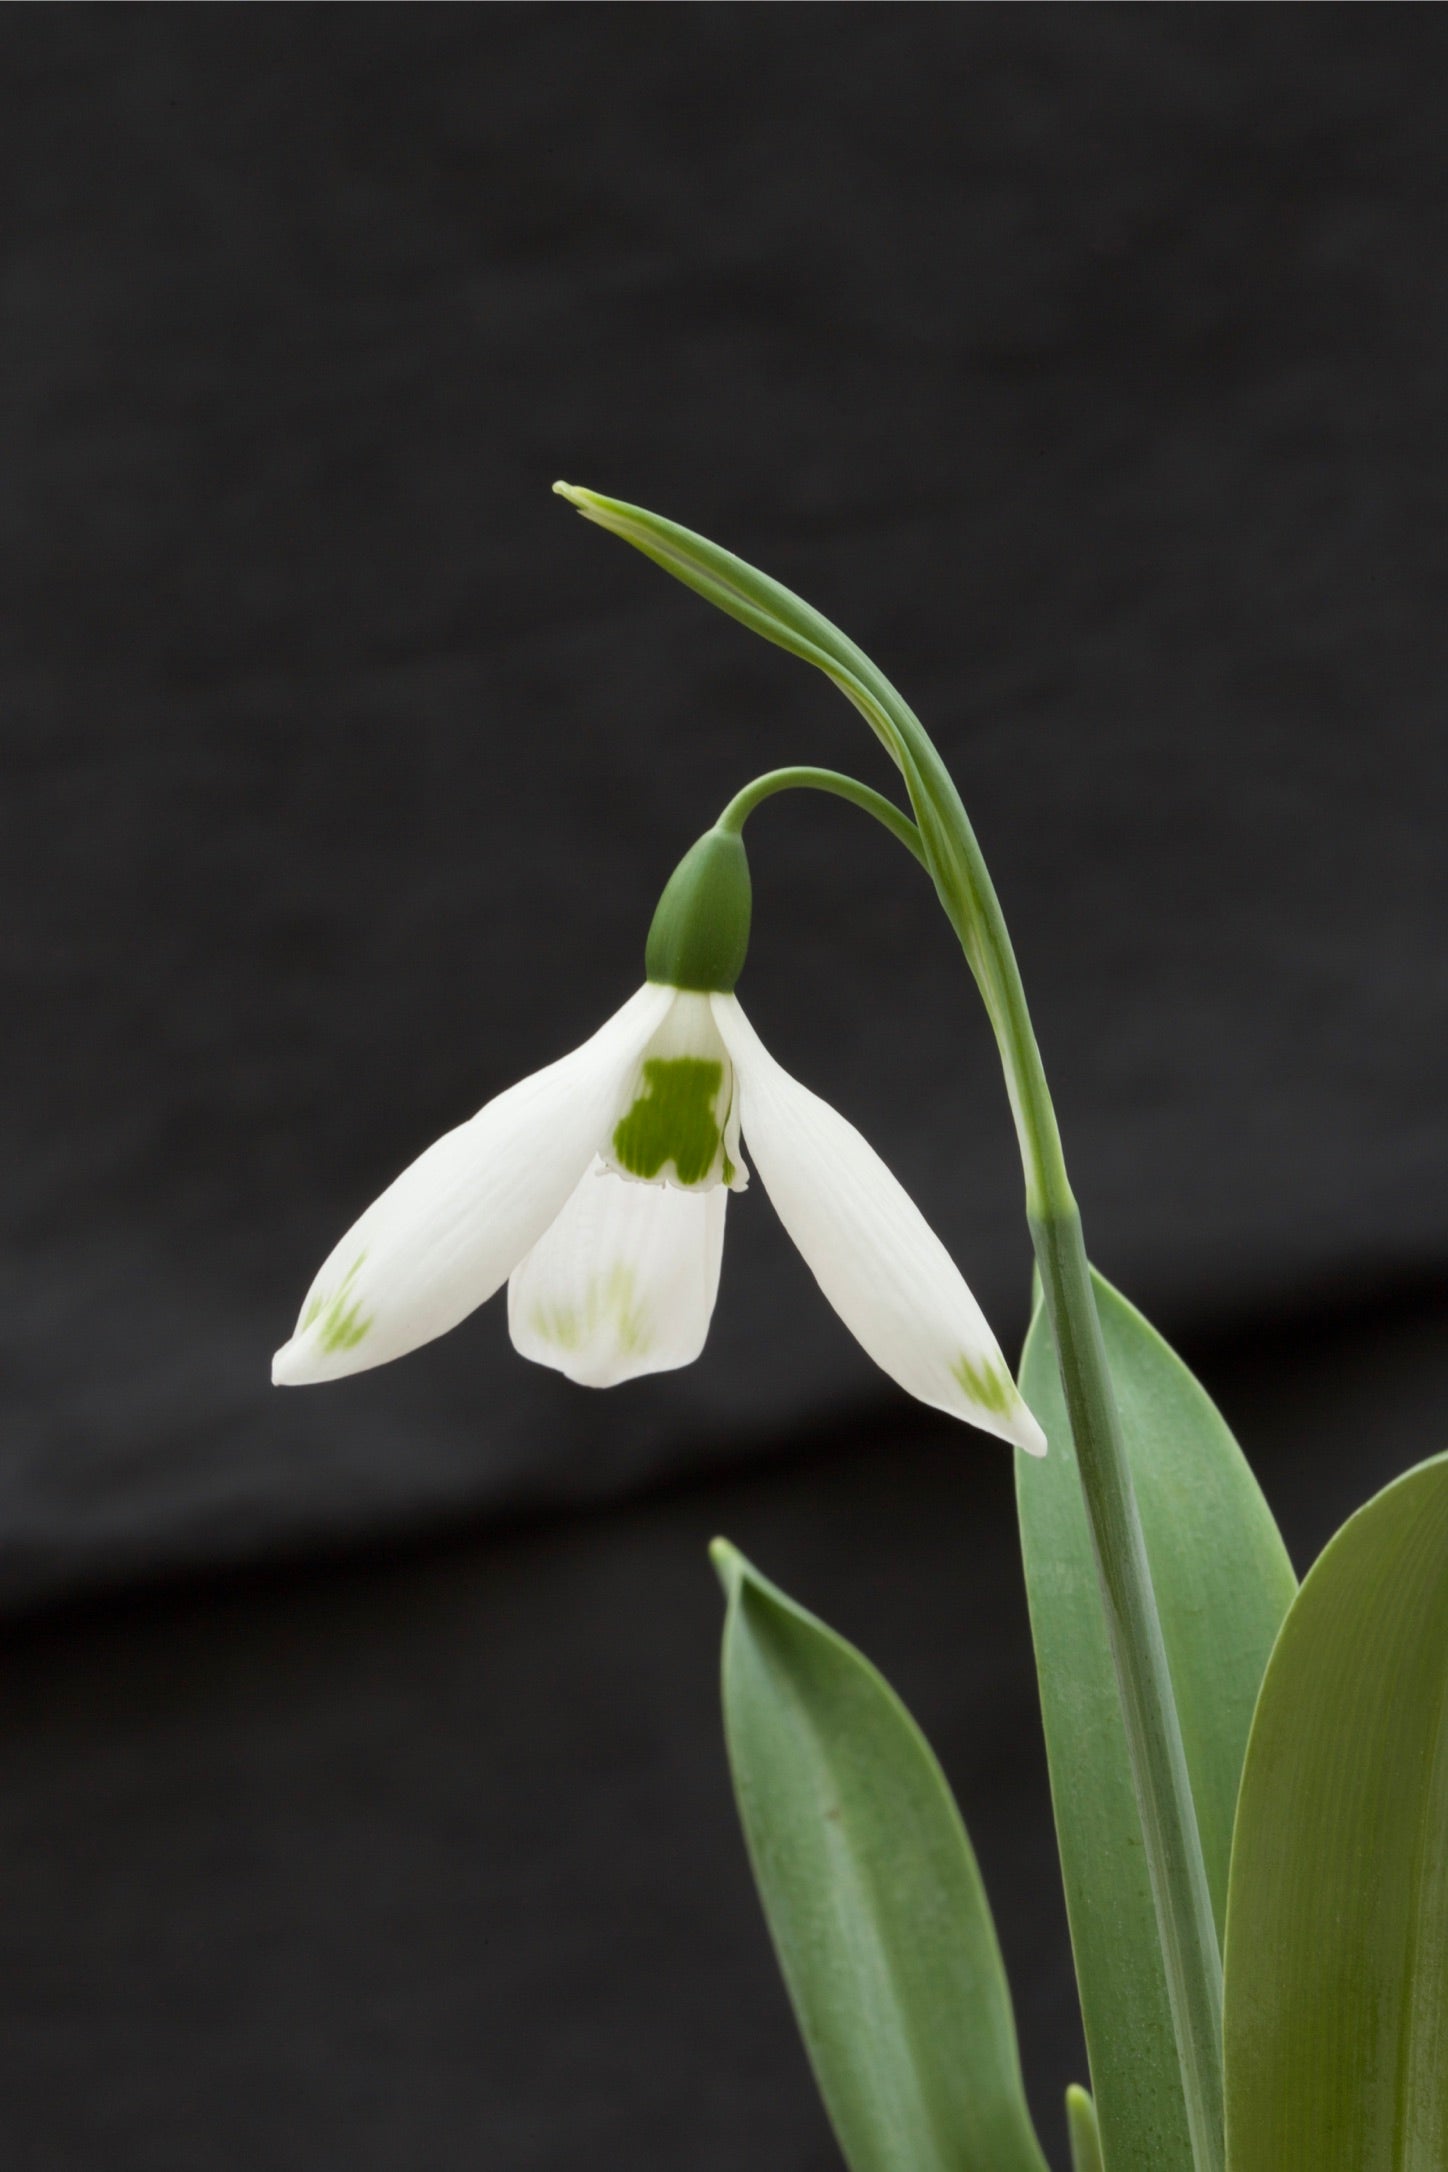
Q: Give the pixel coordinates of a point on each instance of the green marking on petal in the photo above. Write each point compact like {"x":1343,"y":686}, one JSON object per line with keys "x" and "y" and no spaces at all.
{"x":339,"y":1314}
{"x":672,"y":1120}
{"x":611,"y":1303}
{"x":986,"y":1384}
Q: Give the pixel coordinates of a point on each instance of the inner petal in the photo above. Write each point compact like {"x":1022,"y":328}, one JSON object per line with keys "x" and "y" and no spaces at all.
{"x":623,"y":1283}
{"x":679,"y":1124}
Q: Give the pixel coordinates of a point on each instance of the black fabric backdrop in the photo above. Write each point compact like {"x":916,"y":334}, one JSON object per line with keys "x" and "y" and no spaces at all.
{"x":1088,"y":366}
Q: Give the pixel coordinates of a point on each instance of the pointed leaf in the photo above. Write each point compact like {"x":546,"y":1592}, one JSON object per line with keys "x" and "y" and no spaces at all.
{"x":876,"y":1907}
{"x":1337,"y":1937}
{"x":1084,"y":2132}
{"x":1223,"y":1583}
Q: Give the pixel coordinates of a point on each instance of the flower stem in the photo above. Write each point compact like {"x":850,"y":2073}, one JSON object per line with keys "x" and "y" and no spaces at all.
{"x":860,"y":795}
{"x":1171,"y":1840}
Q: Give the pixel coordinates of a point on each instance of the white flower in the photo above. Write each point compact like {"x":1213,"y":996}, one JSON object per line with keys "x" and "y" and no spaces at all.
{"x":597,"y":1190}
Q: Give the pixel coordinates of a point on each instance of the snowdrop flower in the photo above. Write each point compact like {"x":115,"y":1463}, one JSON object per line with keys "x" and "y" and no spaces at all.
{"x":597,"y":1190}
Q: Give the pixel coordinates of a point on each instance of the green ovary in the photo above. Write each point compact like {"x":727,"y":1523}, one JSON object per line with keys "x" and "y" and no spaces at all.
{"x":672,"y":1120}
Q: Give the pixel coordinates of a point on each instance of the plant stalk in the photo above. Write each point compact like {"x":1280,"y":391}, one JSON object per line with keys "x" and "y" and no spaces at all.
{"x":1171,"y":1840}
{"x":1170,"y":1835}
{"x":833,"y":781}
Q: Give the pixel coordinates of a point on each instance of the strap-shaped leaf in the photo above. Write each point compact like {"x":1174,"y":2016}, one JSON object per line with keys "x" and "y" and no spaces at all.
{"x":1223,"y":1583}
{"x":873,"y":1898}
{"x":1337,"y":1934}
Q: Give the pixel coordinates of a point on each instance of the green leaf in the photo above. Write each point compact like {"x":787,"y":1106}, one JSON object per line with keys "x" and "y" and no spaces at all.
{"x":1084,"y":2132}
{"x":1337,"y":1936}
{"x":1223,"y":1583}
{"x":874,"y":1901}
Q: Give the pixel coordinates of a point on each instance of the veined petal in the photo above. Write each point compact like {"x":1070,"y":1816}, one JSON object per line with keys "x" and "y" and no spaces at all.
{"x":445,"y":1235}
{"x":623,"y":1282}
{"x":870,"y":1249}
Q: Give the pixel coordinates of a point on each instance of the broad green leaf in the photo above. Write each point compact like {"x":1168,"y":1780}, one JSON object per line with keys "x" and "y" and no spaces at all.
{"x":873,"y":1898}
{"x":1337,"y":1932}
{"x":1223,"y":1583}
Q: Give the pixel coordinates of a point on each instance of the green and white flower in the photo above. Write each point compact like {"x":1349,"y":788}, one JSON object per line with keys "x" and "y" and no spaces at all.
{"x":597,"y":1190}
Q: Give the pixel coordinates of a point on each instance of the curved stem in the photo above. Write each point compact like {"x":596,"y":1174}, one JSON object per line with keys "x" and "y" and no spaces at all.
{"x":895,"y":820}
{"x":1171,"y":1840}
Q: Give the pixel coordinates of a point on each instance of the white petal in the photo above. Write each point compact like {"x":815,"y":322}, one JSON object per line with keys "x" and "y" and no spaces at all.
{"x":678,"y":1122}
{"x":870,"y":1249}
{"x":624,"y":1281}
{"x":443,"y":1237}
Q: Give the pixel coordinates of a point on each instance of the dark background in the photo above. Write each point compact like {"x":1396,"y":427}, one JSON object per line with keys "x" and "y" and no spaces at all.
{"x":360,"y":1794}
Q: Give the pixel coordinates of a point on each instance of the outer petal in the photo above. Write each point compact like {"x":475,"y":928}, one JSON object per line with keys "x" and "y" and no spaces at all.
{"x":624,"y":1281}
{"x":443,"y":1236}
{"x":870,"y":1249}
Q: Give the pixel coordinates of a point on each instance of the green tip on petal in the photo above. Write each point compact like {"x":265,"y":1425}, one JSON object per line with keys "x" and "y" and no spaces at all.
{"x":987,"y":1385}
{"x":673,"y":1120}
{"x":338,"y":1317}
{"x":700,"y":932}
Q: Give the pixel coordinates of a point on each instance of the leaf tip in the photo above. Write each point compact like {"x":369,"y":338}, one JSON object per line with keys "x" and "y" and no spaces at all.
{"x":728,"y":1565}
{"x":1084,"y":2132}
